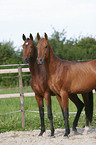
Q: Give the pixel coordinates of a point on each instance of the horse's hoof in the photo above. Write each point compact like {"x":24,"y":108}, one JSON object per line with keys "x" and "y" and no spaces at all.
{"x":66,"y":135}
{"x":41,"y":133}
{"x":52,"y":134}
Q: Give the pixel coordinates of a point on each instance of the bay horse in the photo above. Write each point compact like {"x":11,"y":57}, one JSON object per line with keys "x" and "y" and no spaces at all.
{"x":67,"y":79}
{"x":39,"y":84}
{"x":38,"y":81}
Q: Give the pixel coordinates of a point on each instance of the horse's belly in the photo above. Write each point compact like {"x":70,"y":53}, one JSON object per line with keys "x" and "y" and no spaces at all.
{"x":83,"y":86}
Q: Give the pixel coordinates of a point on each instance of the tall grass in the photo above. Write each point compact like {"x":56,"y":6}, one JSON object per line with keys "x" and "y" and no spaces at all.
{"x":12,"y":121}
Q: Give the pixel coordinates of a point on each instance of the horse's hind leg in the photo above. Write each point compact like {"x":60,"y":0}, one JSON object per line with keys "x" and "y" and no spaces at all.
{"x":49,"y":110}
{"x":79,"y":104}
{"x":88,"y":101}
{"x":41,"y":112}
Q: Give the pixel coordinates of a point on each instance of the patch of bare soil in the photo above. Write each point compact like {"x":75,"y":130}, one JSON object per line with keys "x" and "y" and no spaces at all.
{"x":32,"y":138}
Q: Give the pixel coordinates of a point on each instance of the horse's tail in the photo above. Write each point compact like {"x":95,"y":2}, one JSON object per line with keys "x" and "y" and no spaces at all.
{"x":90,"y":116}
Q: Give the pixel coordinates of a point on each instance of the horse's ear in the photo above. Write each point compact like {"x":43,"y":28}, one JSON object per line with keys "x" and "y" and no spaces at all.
{"x":46,"y":37}
{"x":23,"y":37}
{"x":38,"y":36}
{"x":31,"y":37}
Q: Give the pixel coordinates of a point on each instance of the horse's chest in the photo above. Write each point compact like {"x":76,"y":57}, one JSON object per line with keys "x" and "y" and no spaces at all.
{"x":38,"y":85}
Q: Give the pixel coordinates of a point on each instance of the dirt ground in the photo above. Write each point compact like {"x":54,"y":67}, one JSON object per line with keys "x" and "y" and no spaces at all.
{"x":32,"y":138}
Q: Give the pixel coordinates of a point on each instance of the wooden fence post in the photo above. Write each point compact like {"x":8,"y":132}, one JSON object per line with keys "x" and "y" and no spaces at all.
{"x":21,"y":95}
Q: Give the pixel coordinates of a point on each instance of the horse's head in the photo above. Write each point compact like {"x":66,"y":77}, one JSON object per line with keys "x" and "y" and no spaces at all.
{"x":42,"y":48}
{"x":28,"y":48}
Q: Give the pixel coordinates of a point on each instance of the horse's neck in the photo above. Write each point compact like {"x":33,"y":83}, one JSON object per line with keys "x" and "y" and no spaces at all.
{"x":51,"y":62}
{"x":32,"y":65}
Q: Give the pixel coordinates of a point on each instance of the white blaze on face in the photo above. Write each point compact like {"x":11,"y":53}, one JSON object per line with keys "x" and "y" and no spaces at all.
{"x":26,"y":43}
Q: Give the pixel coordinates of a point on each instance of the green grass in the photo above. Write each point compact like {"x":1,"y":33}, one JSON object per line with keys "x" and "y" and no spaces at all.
{"x":15,"y":90}
{"x":12,"y":121}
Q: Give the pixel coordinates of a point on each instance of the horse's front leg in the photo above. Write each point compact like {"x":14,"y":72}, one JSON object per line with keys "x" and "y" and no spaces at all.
{"x":64,"y":97}
{"x":49,"y":110}
{"x":41,"y":112}
{"x":60,"y":103}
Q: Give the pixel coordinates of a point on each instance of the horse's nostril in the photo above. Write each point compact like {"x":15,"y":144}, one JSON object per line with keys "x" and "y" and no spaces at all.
{"x":40,"y":59}
{"x":25,"y":59}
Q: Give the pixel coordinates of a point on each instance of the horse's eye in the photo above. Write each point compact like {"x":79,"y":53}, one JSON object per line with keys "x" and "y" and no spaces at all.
{"x":45,"y":46}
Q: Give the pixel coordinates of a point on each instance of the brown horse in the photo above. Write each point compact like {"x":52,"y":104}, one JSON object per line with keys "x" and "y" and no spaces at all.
{"x":38,"y":81}
{"x":68,"y":78}
{"x":40,"y":86}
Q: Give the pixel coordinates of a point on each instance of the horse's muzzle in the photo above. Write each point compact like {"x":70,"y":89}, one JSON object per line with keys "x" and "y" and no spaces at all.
{"x":25,"y":60}
{"x":40,"y":61}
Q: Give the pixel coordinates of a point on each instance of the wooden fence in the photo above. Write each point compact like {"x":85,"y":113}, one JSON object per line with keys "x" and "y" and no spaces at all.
{"x":19,"y":70}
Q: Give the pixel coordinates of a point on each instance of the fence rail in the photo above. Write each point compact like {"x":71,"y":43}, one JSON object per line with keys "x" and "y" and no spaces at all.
{"x":13,"y":65}
{"x":3,"y":71}
{"x":16,"y":95}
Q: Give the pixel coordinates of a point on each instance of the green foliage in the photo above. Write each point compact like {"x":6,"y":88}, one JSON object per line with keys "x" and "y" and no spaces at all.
{"x":57,"y":41}
{"x":73,"y":49}
{"x":8,"y":55}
